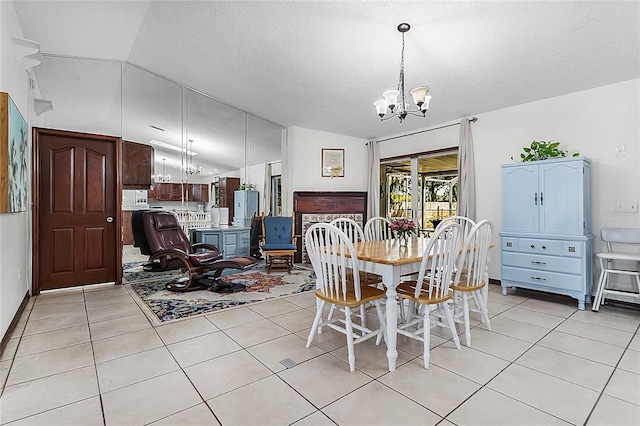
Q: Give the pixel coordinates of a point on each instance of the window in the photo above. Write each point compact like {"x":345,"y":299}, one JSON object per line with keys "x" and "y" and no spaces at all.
{"x":435,"y":175}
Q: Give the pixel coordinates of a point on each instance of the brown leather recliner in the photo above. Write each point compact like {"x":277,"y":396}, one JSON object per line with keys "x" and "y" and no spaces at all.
{"x":203,"y":262}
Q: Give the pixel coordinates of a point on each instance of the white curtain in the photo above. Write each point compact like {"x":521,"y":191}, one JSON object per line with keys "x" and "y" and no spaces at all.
{"x":266,"y":191}
{"x":373,"y":185}
{"x":466,"y":172}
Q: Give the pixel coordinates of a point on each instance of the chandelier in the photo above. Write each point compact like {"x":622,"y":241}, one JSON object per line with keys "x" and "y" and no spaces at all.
{"x":190,"y":168}
{"x":163,"y":177}
{"x":395,"y":100}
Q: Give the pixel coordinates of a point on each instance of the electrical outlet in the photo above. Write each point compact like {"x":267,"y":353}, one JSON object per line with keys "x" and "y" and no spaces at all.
{"x":627,"y":206}
{"x":621,"y":151}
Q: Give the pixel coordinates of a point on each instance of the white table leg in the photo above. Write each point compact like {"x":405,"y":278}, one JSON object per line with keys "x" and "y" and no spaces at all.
{"x":392,"y":326}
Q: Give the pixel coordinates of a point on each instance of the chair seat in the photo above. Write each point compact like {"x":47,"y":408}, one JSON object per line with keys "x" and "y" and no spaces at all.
{"x":204,"y":258}
{"x":271,"y":247}
{"x":407,"y":290}
{"x":619,"y":256}
{"x":367,"y":294}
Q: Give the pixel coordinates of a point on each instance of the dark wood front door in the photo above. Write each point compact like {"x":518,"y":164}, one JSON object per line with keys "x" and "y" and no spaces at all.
{"x":76,"y":205}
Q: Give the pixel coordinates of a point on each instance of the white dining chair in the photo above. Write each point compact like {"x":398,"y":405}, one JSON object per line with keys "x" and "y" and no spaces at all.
{"x":471,"y":276}
{"x":377,"y":229}
{"x":618,"y":260}
{"x":432,"y":289}
{"x":355,"y":234}
{"x":338,"y":283}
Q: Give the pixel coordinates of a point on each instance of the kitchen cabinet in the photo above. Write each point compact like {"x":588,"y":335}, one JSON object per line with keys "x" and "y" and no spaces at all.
{"x":231,"y":241}
{"x":137,"y":165}
{"x":173,"y":192}
{"x":546,"y":227}
{"x":198,"y":192}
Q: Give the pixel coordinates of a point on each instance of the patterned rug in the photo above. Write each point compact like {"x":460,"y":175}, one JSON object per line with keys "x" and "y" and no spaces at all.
{"x":164,"y":305}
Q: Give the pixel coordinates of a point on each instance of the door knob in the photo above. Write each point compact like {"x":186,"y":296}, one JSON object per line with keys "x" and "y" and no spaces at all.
{"x":109,"y":219}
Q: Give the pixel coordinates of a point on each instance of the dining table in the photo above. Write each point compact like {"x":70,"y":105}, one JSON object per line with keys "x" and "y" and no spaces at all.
{"x":391,"y":260}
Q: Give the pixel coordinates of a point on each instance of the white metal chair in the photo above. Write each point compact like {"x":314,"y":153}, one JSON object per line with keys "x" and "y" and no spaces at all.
{"x":471,"y":276}
{"x":618,"y":262}
{"x":432,"y":287}
{"x":338,"y":283}
{"x":377,"y":229}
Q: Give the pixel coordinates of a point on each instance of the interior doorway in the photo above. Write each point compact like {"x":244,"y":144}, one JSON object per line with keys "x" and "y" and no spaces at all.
{"x":76,"y":205}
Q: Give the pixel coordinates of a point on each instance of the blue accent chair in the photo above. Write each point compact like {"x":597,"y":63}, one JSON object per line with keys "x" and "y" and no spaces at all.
{"x":278,"y":242}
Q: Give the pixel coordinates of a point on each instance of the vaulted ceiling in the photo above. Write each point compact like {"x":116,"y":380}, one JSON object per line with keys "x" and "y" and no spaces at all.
{"x":322,"y":64}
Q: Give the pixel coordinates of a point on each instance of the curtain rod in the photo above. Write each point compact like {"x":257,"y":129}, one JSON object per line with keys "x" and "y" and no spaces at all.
{"x":472,"y":120}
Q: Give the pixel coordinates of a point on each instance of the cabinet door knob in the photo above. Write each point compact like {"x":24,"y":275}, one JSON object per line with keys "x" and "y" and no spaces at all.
{"x":532,"y":246}
{"x":544,"y":247}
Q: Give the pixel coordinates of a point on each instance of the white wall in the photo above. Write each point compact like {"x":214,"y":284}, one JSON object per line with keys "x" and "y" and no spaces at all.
{"x":15,"y":229}
{"x":591,"y":122}
{"x":304,"y":171}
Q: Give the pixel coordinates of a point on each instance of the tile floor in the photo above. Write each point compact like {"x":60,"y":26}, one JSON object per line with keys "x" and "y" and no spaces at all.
{"x":89,"y":356}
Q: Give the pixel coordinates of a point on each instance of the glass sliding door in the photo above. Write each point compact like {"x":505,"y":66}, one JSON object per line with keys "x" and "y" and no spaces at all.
{"x":424,"y":188}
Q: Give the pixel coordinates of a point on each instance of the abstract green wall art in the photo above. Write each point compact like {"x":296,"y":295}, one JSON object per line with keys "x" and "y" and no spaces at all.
{"x":13,"y":157}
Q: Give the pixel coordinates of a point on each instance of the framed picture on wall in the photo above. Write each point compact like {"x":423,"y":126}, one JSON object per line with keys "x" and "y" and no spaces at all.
{"x":332,"y":162}
{"x":13,"y":157}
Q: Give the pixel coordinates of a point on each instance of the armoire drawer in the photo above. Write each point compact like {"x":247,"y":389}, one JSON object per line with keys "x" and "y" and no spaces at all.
{"x":533,"y":245}
{"x":543,"y":278}
{"x":569,"y":265}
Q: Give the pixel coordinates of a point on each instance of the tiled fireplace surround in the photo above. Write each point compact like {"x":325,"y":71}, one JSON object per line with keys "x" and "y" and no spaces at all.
{"x":315,"y":207}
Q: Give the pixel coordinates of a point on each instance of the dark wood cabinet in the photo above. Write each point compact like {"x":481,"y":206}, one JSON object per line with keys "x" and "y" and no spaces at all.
{"x":127,"y":233}
{"x":173,"y":192}
{"x":226,"y":187}
{"x":198,"y":192}
{"x":137,"y":165}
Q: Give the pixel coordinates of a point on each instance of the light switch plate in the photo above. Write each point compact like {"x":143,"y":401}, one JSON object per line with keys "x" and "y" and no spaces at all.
{"x":621,"y":151}
{"x":627,"y":206}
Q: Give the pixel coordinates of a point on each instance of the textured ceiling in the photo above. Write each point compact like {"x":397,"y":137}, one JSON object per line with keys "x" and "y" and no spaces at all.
{"x":321,"y":65}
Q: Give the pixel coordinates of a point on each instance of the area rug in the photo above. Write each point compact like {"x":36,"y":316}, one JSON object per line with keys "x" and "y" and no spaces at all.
{"x":163,"y":305}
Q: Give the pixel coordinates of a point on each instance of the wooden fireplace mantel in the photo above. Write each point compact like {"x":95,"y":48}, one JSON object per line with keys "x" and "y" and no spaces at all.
{"x":320,"y":202}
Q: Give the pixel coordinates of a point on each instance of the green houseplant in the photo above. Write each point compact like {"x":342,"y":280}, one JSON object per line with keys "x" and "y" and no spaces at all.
{"x":543,"y":150}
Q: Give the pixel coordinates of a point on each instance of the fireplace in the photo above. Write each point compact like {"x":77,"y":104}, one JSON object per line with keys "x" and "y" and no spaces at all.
{"x":313,"y":207}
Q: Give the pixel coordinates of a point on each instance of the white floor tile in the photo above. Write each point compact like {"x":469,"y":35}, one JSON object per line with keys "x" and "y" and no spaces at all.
{"x":256,"y":332}
{"x":150,"y":400}
{"x":125,"y":344}
{"x":315,"y":419}
{"x":226,"y":373}
{"x":467,"y":362}
{"x":596,"y":332}
{"x":582,"y":347}
{"x":437,"y":389}
{"x":583,"y":372}
{"x":118,"y":326}
{"x":290,"y":346}
{"x":53,"y":340}
{"x":59,"y":322}
{"x":536,"y":318}
{"x":272,"y":402}
{"x":554,"y":396}
{"x":624,"y":385}
{"x":234,"y":317}
{"x":30,"y":367}
{"x":496,"y":344}
{"x":37,"y":396}
{"x":372,"y":359}
{"x":362,"y":406}
{"x":487,"y":407}
{"x":606,"y":320}
{"x":273,"y":307}
{"x":202,"y":348}
{"x":630,"y":361}
{"x":183,"y":330}
{"x":516,"y":329}
{"x":135,"y":368}
{"x":87,"y":412}
{"x":200,"y":415}
{"x":324,"y":379}
{"x":612,"y":411}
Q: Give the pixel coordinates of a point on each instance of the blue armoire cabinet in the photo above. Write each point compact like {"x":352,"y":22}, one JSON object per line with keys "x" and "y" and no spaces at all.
{"x":546,"y":227}
{"x":245,"y":205}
